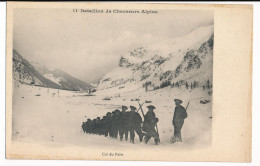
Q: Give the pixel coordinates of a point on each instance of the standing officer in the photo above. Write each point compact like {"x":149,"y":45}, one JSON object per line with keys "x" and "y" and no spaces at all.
{"x":178,"y":119}
{"x":149,"y":123}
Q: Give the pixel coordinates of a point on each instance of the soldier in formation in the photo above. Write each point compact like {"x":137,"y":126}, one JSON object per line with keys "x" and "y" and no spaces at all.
{"x":124,"y":122}
{"x":134,"y":122}
{"x":116,"y":123}
{"x":150,"y":122}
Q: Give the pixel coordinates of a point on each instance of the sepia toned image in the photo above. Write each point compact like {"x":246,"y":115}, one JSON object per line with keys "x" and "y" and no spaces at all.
{"x":102,"y":82}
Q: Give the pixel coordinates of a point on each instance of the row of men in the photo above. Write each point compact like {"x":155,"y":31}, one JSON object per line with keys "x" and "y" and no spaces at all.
{"x":123,"y":122}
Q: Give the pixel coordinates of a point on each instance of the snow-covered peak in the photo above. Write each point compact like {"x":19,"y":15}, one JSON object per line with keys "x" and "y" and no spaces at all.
{"x":186,"y":58}
{"x":189,"y":41}
{"x":169,"y":47}
{"x":138,"y":56}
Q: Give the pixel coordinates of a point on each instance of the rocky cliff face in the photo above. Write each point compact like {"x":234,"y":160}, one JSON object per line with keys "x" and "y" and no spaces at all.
{"x":184,"y":59}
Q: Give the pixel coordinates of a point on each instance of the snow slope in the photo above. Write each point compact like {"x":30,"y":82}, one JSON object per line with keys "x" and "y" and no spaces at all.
{"x":52,"y":117}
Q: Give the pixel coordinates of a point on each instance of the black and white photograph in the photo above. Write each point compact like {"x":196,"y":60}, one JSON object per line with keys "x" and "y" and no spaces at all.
{"x":113,"y":79}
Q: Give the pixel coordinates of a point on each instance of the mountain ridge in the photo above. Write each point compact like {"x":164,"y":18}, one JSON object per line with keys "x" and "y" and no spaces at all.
{"x":38,"y":75}
{"x":65,"y":80}
{"x":24,"y":72}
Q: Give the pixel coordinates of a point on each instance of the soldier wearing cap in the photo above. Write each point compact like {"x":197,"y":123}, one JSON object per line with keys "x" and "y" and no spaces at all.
{"x":103,"y":126}
{"x":109,"y":124}
{"x":94,"y":129}
{"x":178,"y":119}
{"x":88,"y":126}
{"x":135,"y":122}
{"x":84,"y":127}
{"x":98,"y":126}
{"x":150,"y":121}
{"x":123,"y":127}
{"x":115,"y":123}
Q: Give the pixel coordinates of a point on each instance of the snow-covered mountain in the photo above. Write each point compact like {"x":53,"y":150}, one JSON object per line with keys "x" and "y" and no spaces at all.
{"x":35,"y":74}
{"x":183,"y":59}
{"x":24,"y":72}
{"x":61,"y":78}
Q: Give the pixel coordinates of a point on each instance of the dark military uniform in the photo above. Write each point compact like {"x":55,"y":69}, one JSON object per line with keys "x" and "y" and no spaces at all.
{"x":149,"y":123}
{"x":84,"y":127}
{"x":178,"y":119}
{"x":115,"y":123}
{"x":135,"y":122}
{"x":103,"y":127}
{"x":87,"y":126}
{"x":98,"y":126}
{"x":94,"y":129}
{"x":108,"y":124}
{"x":90,"y":126}
{"x":123,"y":126}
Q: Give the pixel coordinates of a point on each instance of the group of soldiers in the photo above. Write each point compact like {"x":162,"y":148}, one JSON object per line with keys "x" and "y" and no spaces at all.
{"x":121,"y":123}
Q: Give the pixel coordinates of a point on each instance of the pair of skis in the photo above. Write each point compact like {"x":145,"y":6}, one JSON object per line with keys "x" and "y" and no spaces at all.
{"x":140,"y":108}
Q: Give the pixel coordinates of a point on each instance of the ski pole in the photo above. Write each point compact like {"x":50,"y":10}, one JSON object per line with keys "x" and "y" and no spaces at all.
{"x":157,"y":132}
{"x":141,"y":108}
{"x":187,"y":106}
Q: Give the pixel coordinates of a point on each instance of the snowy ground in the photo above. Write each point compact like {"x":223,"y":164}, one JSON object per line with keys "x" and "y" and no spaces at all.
{"x":53,"y":117}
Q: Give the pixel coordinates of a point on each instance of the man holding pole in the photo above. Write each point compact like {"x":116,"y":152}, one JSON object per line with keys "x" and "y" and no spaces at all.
{"x":178,"y":119}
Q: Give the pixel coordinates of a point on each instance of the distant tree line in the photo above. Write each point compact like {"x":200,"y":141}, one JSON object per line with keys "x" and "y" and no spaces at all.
{"x":180,"y":84}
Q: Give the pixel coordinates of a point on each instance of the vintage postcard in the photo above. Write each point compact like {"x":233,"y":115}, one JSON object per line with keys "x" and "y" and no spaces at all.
{"x":128,"y":81}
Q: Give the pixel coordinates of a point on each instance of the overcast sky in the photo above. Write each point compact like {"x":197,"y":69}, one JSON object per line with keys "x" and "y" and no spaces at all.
{"x":87,"y":45}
